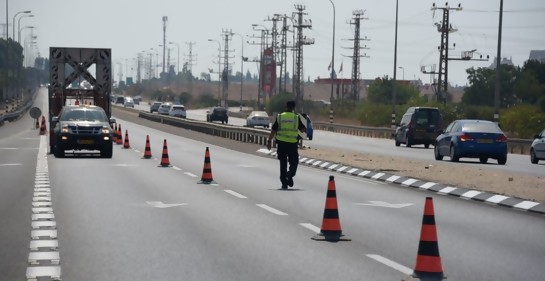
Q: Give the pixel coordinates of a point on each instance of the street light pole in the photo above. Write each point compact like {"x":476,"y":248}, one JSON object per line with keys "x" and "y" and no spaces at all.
{"x":241,"y":67}
{"x":394,"y":86}
{"x":16,"y":14}
{"x":498,"y":72}
{"x":332,"y":67}
{"x":19,"y":27}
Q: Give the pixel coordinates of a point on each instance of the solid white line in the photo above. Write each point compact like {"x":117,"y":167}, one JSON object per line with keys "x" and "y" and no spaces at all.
{"x":401,"y":268}
{"x":236,"y":194}
{"x":272,"y":210}
{"x":311,"y":227}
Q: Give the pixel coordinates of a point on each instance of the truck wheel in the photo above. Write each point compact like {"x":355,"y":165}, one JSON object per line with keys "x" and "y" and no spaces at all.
{"x":106,"y":152}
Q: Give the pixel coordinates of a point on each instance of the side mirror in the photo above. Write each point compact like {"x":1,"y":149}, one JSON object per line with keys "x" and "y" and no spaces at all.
{"x":55,"y":119}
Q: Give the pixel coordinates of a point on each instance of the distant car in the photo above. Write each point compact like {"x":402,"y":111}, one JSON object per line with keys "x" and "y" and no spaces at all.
{"x":164,"y":108}
{"x":537,"y":152}
{"x":472,"y":139}
{"x":155,"y":106}
{"x":258,"y":118}
{"x":217,"y":114}
{"x":177,"y":110}
{"x":120,"y":100}
{"x":137,"y":99}
{"x":419,"y":125}
{"x":310,"y":129}
{"x":129,"y":102}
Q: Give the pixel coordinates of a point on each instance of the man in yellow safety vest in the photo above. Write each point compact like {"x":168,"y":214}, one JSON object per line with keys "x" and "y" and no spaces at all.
{"x":285,"y":128}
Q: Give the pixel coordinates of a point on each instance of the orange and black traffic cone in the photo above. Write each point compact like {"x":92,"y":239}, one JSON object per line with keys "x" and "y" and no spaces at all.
{"x":114,"y":134}
{"x":206,"y":177}
{"x":119,"y":135}
{"x":37,"y":123}
{"x":126,"y":143}
{"x":164,"y":158}
{"x":147,"y":151}
{"x":43,"y":127}
{"x":331,"y":224}
{"x":428,"y":261}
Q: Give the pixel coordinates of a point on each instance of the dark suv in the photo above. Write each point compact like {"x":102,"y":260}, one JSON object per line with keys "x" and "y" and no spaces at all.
{"x":217,"y":114}
{"x":83,"y":127}
{"x":419,"y":125}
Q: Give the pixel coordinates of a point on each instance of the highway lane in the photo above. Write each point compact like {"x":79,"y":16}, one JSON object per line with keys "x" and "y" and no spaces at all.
{"x":18,"y":152}
{"x":218,"y":231}
{"x":328,"y":140}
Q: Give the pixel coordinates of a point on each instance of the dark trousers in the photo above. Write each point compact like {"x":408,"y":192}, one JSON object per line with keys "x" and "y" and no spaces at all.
{"x":287,"y":153}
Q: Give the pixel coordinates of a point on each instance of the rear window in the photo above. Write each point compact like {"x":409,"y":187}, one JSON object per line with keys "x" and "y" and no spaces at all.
{"x":220,"y":110}
{"x":427,"y":118}
{"x":481,"y":127}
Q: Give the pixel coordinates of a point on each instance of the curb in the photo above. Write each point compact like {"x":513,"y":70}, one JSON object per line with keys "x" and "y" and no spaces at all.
{"x":460,"y":192}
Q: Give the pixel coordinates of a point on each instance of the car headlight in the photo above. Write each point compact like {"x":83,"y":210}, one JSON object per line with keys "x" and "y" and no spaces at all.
{"x":106,"y":130}
{"x":64,"y":130}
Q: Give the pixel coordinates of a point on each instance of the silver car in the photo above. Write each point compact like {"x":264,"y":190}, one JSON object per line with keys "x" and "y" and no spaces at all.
{"x":258,"y":118}
{"x":537,"y":152}
{"x":164,"y":108}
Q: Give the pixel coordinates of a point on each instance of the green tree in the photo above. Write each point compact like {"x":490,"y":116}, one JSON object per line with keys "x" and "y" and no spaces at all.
{"x":380,"y":91}
{"x":482,"y":83}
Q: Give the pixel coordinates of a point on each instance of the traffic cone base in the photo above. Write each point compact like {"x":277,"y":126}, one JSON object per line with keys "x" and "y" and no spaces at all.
{"x":207,"y":169}
{"x":331,"y":225}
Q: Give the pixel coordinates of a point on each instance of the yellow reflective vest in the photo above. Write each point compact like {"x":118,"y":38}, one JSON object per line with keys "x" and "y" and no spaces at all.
{"x":288,"y":122}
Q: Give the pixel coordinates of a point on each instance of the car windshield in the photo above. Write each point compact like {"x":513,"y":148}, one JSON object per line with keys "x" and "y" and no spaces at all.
{"x":259,"y":113}
{"x":84,"y":115}
{"x":481,"y":127}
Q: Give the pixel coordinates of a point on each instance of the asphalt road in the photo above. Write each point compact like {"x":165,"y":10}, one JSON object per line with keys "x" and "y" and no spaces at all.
{"x":125,"y":218}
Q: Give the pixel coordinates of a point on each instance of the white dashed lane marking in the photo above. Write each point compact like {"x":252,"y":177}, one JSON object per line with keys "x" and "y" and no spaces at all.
{"x":391,"y":264}
{"x":272,"y":210}
{"x":312,"y":227}
{"x":236,"y":194}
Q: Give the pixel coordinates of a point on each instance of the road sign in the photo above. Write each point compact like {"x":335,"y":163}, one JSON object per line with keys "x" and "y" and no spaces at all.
{"x":35,"y":112}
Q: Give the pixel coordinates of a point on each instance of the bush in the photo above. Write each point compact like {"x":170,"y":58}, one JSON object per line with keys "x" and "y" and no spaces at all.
{"x":522,"y":121}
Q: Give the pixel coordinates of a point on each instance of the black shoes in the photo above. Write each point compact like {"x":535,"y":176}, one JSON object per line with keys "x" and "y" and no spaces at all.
{"x":290,"y":181}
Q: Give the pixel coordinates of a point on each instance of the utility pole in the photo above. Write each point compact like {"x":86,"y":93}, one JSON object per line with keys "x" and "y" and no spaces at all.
{"x":260,"y":61}
{"x":446,"y":28}
{"x":300,"y":24}
{"x":227,"y":35}
{"x":283,"y":56}
{"x":274,"y":45}
{"x":356,"y":81}
{"x":191,"y":61}
{"x":165,"y":20}
{"x":498,"y":65}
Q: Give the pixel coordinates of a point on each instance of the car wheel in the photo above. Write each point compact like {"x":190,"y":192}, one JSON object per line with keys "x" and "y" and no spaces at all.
{"x":453,"y":156}
{"x":106,"y":152}
{"x":502,"y":160}
{"x":483,"y":160}
{"x":59,"y":151}
{"x":438,"y":155}
{"x":533,"y":157}
{"x":427,"y":145}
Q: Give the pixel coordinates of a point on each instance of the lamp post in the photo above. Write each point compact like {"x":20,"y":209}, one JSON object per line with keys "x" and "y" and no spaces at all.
{"x":332,"y":67}
{"x":219,"y":68}
{"x":403,"y":69}
{"x":21,"y":29}
{"x":241,"y":67}
{"x":178,"y":48}
{"x":19,"y":26}
{"x":394,"y":86}
{"x":16,"y":14}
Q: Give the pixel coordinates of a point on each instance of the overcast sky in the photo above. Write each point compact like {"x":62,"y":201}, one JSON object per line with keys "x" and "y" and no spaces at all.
{"x":129,"y":27}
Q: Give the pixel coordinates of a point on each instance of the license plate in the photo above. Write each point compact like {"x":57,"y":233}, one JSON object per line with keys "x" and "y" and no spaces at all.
{"x":85,"y":141}
{"x":484,"y":140}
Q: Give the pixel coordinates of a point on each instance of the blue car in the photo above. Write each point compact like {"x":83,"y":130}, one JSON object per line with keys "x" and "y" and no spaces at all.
{"x":472,"y":139}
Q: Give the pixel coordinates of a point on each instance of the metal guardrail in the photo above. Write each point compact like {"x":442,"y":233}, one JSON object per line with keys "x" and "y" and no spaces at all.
{"x":12,"y":116}
{"x":242,"y":134}
{"x":519,"y":146}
